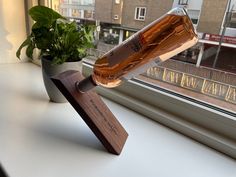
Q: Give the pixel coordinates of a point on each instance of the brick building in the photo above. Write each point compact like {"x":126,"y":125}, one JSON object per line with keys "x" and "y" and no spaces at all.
{"x":128,"y":16}
{"x":119,"y":19}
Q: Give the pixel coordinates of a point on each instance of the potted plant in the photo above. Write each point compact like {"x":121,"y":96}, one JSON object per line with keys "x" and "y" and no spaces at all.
{"x":62,"y":44}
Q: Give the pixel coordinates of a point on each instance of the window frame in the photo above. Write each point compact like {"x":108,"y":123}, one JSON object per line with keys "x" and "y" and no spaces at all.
{"x":181,"y":2}
{"x":137,"y":14}
{"x":207,"y":124}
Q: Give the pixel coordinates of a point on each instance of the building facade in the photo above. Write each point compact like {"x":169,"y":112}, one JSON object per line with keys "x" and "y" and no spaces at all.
{"x":124,"y":17}
{"x":137,"y":14}
{"x":80,"y":9}
{"x":116,"y":20}
{"x":128,"y":16}
{"x":212,"y":16}
{"x":109,"y":11}
{"x":207,"y":15}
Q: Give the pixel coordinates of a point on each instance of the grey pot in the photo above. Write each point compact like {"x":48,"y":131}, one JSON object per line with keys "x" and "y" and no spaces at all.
{"x":49,"y":70}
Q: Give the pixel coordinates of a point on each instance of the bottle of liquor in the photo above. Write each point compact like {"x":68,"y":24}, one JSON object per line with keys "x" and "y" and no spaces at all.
{"x":155,"y":43}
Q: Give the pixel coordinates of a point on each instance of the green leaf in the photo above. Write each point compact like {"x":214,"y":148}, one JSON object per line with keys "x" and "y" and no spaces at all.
{"x":29,"y":50}
{"x":82,"y":52}
{"x":25,"y":43}
{"x":44,"y":15}
{"x":43,"y":37}
{"x":40,"y":25}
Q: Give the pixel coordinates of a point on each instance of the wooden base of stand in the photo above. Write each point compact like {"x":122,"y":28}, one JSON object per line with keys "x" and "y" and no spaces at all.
{"x":93,"y":111}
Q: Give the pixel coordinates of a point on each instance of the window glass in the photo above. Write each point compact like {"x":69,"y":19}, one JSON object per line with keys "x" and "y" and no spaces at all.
{"x":140,"y":13}
{"x":205,"y":72}
{"x":137,"y":13}
{"x":117,"y":1}
{"x":183,"y":2}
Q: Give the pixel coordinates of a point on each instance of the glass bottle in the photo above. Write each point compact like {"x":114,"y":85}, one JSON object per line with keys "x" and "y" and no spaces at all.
{"x":162,"y":39}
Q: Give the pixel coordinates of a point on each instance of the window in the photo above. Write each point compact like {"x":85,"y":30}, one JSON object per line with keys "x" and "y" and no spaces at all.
{"x":195,"y":91}
{"x":140,"y":13}
{"x":88,"y":14}
{"x":194,"y":21}
{"x":64,"y":12}
{"x":117,"y":1}
{"x":183,"y":2}
{"x":194,"y":15}
{"x":76,"y":13}
{"x":232,"y":19}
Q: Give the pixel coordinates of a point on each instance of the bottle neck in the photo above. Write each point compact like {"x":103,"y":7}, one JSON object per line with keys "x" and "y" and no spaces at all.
{"x":85,"y":85}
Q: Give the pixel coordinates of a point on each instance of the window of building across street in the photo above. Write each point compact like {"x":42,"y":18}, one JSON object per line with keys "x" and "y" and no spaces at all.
{"x":183,"y":2}
{"x":140,"y":13}
{"x":117,"y":1}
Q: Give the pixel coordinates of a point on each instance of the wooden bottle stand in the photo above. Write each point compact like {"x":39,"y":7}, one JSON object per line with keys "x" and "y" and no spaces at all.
{"x":93,"y":111}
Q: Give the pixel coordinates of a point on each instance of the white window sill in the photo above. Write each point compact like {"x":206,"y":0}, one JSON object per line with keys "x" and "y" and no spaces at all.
{"x":39,"y":138}
{"x":142,"y":20}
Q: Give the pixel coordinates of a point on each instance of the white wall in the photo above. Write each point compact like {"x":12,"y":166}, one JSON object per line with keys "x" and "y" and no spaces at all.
{"x":12,"y":29}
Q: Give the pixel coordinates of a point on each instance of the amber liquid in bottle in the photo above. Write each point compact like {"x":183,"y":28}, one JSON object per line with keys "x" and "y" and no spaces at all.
{"x":159,"y":41}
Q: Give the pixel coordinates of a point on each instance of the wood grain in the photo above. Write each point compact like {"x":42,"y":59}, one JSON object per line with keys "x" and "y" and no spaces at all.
{"x":93,"y":111}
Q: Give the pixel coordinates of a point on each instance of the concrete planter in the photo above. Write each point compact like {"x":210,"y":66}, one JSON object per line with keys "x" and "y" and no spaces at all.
{"x":49,"y":70}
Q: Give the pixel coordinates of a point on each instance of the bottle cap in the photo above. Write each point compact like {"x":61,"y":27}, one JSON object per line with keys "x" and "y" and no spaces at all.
{"x":85,"y":85}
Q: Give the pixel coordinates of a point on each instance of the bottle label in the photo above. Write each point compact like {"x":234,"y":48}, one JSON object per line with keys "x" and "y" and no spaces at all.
{"x":130,"y":46}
